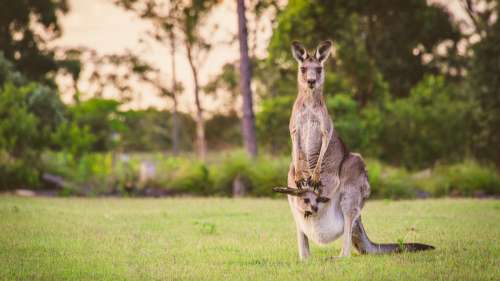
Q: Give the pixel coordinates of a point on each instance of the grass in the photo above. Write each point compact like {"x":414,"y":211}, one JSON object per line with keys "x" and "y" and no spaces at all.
{"x":244,"y":239}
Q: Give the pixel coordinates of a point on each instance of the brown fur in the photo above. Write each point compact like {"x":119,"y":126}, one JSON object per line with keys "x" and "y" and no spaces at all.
{"x":322,"y":167}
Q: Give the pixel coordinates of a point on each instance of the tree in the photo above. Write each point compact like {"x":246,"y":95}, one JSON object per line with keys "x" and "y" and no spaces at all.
{"x":484,"y":82}
{"x":248,"y":122}
{"x":399,"y":40}
{"x":120,"y":72}
{"x":174,"y":90}
{"x":146,"y":130}
{"x":431,"y":124}
{"x":481,"y":16}
{"x":25,"y":28}
{"x":184,"y":18}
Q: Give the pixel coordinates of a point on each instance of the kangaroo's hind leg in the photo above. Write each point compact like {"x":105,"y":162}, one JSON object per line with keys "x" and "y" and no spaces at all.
{"x":354,"y":190}
{"x":350,"y":204}
{"x":303,"y":244}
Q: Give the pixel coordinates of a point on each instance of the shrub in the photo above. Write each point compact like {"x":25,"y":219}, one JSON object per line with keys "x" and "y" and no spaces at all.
{"x":17,"y":173}
{"x":28,"y":114}
{"x":190,"y":177}
{"x":268,"y":172}
{"x":465,"y":179}
{"x":259,"y":175}
{"x":389,"y":182}
{"x":224,"y":171}
{"x":99,"y":173}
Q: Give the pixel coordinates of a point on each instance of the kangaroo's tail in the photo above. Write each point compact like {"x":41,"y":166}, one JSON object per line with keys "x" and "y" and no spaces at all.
{"x":365,"y":246}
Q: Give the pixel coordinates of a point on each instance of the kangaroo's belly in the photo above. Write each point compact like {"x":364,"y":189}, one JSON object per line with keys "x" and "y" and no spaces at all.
{"x":324,"y":227}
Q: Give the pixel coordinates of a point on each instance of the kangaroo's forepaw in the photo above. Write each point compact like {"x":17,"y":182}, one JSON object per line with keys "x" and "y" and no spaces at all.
{"x":314,"y":183}
{"x":301,"y":183}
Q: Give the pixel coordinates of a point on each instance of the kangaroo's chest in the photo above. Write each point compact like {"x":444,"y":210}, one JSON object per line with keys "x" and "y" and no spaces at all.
{"x":322,"y":228}
{"x":308,"y":125}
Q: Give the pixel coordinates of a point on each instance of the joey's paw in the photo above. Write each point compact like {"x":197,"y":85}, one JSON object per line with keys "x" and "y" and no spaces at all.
{"x":307,"y":214}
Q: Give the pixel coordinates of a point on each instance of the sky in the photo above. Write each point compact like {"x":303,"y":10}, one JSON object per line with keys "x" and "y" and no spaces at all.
{"x":100,"y":25}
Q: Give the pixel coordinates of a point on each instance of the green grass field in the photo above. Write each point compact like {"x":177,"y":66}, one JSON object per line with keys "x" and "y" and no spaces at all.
{"x":243,"y":239}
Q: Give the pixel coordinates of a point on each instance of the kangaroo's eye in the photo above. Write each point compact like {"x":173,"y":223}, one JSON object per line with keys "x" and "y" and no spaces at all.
{"x":318,"y":70}
{"x":306,"y":200}
{"x":303,"y":69}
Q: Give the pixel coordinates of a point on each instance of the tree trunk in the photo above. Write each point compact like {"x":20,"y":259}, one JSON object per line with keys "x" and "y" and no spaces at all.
{"x":76,"y":95}
{"x":175,"y":117}
{"x":201,"y":145}
{"x":248,"y":121}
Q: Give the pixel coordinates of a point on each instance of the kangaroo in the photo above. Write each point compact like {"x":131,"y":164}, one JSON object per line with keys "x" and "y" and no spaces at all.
{"x":327,"y":184}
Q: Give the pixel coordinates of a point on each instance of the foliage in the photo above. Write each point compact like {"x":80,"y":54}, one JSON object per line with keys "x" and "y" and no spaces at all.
{"x":407,"y":131}
{"x":8,"y":72}
{"x":365,"y":33}
{"x":26,"y":27}
{"x":347,"y":121}
{"x":224,"y":86}
{"x":147,"y":130}
{"x":103,"y":118}
{"x":29,"y":115}
{"x":18,"y":131}
{"x":389,"y":182}
{"x":399,"y":88}
{"x":223,"y":131}
{"x":256,"y":174}
{"x":73,"y":139}
{"x":432,"y":123}
{"x":98,"y":173}
{"x":464,"y":179}
{"x":485,"y":88}
{"x":272,"y":123}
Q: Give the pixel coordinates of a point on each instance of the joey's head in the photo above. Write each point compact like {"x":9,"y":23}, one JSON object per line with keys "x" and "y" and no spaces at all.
{"x":311,"y":74}
{"x":309,"y":202}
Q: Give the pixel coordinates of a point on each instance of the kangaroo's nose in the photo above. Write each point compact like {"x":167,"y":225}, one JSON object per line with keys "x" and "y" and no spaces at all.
{"x":314,"y":208}
{"x":311,"y":82}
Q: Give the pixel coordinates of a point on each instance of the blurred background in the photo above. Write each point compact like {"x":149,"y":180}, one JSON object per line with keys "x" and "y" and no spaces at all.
{"x":160,"y":98}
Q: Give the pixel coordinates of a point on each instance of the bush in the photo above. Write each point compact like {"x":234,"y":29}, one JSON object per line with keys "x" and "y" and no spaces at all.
{"x":389,"y":182}
{"x":190,"y":177}
{"x":268,"y":172}
{"x":28,"y":114}
{"x":230,"y":166}
{"x":101,"y":174}
{"x":464,"y":179}
{"x":259,"y":175}
{"x":17,"y":173}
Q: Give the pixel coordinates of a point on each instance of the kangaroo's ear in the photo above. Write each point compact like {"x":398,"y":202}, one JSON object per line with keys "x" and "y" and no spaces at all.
{"x":298,"y":51}
{"x":289,"y":191}
{"x":323,"y":50}
{"x":322,"y":199}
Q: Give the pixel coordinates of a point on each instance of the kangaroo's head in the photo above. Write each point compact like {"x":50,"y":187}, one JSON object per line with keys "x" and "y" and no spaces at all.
{"x":311,"y":74}
{"x":308,"y":201}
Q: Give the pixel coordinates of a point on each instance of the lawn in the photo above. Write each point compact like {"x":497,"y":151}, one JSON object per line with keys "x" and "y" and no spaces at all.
{"x":242,"y":239}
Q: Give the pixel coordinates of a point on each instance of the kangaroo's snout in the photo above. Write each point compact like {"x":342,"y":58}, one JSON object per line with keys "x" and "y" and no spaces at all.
{"x":311,"y":83}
